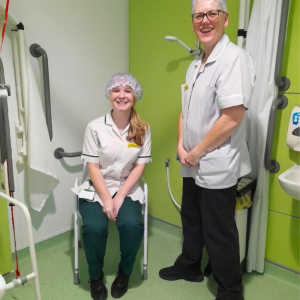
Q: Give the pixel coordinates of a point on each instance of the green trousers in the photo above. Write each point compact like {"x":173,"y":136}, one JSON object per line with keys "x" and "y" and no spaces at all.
{"x":95,"y":231}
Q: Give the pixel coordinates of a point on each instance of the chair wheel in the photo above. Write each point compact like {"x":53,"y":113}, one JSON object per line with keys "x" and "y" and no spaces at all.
{"x":145,"y":275}
{"x":76,"y":279}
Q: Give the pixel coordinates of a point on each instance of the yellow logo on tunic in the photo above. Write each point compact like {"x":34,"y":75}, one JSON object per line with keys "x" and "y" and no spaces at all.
{"x":132,"y":145}
{"x":186,"y":86}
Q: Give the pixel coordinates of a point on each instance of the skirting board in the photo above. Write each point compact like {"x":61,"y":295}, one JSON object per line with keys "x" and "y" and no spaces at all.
{"x":44,"y":238}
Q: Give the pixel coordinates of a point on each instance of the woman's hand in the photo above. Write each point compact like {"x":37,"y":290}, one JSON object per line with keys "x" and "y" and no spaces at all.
{"x":117,"y":202}
{"x":102,"y":190}
{"x":193,"y":158}
{"x":183,"y":154}
{"x":108,"y":209}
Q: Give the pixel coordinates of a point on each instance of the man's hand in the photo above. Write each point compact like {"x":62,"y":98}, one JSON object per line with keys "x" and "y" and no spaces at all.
{"x":183,"y":154}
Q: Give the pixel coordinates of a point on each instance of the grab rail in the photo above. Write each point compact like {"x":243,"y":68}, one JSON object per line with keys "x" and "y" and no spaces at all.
{"x":60,"y":153}
{"x":37,"y":51}
{"x":283,"y":83}
{"x":272,"y":165}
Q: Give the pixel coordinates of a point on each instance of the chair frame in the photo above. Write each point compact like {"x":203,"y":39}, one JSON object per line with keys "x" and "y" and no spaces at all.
{"x":77,"y":239}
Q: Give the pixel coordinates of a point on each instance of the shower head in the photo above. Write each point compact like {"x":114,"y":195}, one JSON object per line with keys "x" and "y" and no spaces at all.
{"x":175,"y":39}
{"x":171,"y":38}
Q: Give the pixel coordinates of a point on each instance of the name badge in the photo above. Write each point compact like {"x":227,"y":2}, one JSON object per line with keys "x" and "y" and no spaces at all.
{"x":186,"y":86}
{"x":132,"y":145}
{"x":87,"y":195}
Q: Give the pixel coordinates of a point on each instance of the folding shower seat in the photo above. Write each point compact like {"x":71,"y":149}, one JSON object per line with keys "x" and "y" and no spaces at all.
{"x":77,"y":217}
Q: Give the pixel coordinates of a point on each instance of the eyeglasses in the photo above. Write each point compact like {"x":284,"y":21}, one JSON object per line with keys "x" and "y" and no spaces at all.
{"x":211,"y":15}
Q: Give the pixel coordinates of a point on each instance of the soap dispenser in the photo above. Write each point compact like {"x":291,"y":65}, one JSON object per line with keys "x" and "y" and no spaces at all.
{"x":293,"y":135}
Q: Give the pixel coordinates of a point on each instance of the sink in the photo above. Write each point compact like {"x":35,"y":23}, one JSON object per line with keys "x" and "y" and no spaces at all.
{"x":290,"y":181}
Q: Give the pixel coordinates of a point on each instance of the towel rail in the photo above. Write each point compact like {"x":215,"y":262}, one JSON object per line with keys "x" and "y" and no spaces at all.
{"x":37,"y":51}
{"x":60,"y":153}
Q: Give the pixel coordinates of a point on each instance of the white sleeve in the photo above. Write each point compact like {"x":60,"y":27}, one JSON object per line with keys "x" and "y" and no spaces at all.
{"x":91,"y":144}
{"x":235,"y":85}
{"x":145,"y":155}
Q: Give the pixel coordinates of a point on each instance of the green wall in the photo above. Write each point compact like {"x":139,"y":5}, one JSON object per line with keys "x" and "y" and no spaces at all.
{"x":160,"y":66}
{"x":284,"y":211}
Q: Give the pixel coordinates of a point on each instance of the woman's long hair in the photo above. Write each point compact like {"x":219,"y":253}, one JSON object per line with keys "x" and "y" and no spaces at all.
{"x":137,"y":128}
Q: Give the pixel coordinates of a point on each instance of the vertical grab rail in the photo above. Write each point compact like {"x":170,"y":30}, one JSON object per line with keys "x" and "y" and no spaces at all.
{"x":270,"y":164}
{"x":283,"y":84}
{"x":37,"y":51}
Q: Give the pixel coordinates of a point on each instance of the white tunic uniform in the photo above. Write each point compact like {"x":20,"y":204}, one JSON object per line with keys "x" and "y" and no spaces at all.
{"x":226,"y":80}
{"x":104,"y":144}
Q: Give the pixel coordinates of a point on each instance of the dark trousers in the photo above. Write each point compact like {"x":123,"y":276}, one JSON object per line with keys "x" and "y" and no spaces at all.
{"x":95,"y":231}
{"x":208,"y":220}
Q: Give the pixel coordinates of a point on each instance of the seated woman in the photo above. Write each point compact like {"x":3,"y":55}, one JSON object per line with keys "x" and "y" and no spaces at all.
{"x":116,"y":148}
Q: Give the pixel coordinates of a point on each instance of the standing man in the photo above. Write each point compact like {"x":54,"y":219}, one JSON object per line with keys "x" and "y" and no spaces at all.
{"x":213,"y":152}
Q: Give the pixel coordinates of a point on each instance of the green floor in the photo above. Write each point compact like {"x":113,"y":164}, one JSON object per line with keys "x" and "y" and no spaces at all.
{"x":55,"y":264}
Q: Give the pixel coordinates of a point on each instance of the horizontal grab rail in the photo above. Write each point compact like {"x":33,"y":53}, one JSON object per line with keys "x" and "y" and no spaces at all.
{"x":37,"y":51}
{"x":60,"y":153}
{"x":280,"y":103}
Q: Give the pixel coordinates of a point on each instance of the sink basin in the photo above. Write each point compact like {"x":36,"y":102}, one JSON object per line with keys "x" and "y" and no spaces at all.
{"x":290,"y":181}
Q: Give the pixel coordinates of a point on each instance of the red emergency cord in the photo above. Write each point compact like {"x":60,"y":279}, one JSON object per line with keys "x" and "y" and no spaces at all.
{"x":13,"y":224}
{"x":11,"y":194}
{"x":4,"y":25}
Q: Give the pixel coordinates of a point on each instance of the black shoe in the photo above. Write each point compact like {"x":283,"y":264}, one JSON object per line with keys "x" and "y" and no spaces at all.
{"x":172,"y":274}
{"x":120,"y":285}
{"x":98,"y":289}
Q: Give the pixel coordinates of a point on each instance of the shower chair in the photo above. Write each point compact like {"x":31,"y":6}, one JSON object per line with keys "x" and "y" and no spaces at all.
{"x":77,"y":240}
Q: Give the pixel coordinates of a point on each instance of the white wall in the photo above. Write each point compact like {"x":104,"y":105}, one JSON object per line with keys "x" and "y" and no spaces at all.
{"x":86,"y":42}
